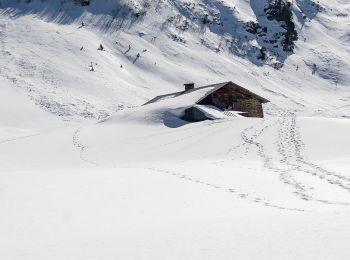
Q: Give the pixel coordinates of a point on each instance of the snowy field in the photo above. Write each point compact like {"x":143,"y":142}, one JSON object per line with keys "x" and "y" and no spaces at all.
{"x":239,"y":188}
{"x":86,"y":172}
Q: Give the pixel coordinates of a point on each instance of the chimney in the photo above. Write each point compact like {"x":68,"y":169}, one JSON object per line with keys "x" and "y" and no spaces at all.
{"x":189,"y":86}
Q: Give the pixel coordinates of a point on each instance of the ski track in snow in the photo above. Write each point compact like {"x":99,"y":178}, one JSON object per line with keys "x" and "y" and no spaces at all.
{"x":81,"y":147}
{"x":19,"y":138}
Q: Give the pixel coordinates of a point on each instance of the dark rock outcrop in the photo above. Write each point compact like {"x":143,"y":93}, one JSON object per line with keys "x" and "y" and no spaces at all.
{"x":281,"y":11}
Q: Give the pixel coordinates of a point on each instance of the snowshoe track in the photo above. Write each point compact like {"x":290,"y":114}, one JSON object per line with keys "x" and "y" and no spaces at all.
{"x":290,"y":148}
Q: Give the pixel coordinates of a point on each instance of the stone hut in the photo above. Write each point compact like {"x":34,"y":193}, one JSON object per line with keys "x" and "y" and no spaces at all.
{"x":230,"y":96}
{"x":226,"y":96}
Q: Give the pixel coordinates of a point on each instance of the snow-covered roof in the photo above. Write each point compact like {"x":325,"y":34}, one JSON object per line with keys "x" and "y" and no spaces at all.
{"x":205,"y":91}
{"x":213,"y":112}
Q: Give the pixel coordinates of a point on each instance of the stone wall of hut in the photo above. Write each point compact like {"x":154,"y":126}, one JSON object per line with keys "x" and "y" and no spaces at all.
{"x":235,"y":99}
{"x":251,"y":107}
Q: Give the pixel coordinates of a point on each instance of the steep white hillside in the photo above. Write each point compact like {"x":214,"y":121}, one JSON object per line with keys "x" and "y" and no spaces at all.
{"x":178,"y":41}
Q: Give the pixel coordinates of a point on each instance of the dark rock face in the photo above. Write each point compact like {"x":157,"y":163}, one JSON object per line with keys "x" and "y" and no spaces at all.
{"x":82,"y":2}
{"x":255,"y":28}
{"x":281,"y":11}
{"x":262,"y":55}
{"x":267,"y":40}
{"x":278,"y":10}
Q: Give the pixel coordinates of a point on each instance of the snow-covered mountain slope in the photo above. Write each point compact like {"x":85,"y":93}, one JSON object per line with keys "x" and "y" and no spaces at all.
{"x":88,"y":173}
{"x":47,"y":54}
